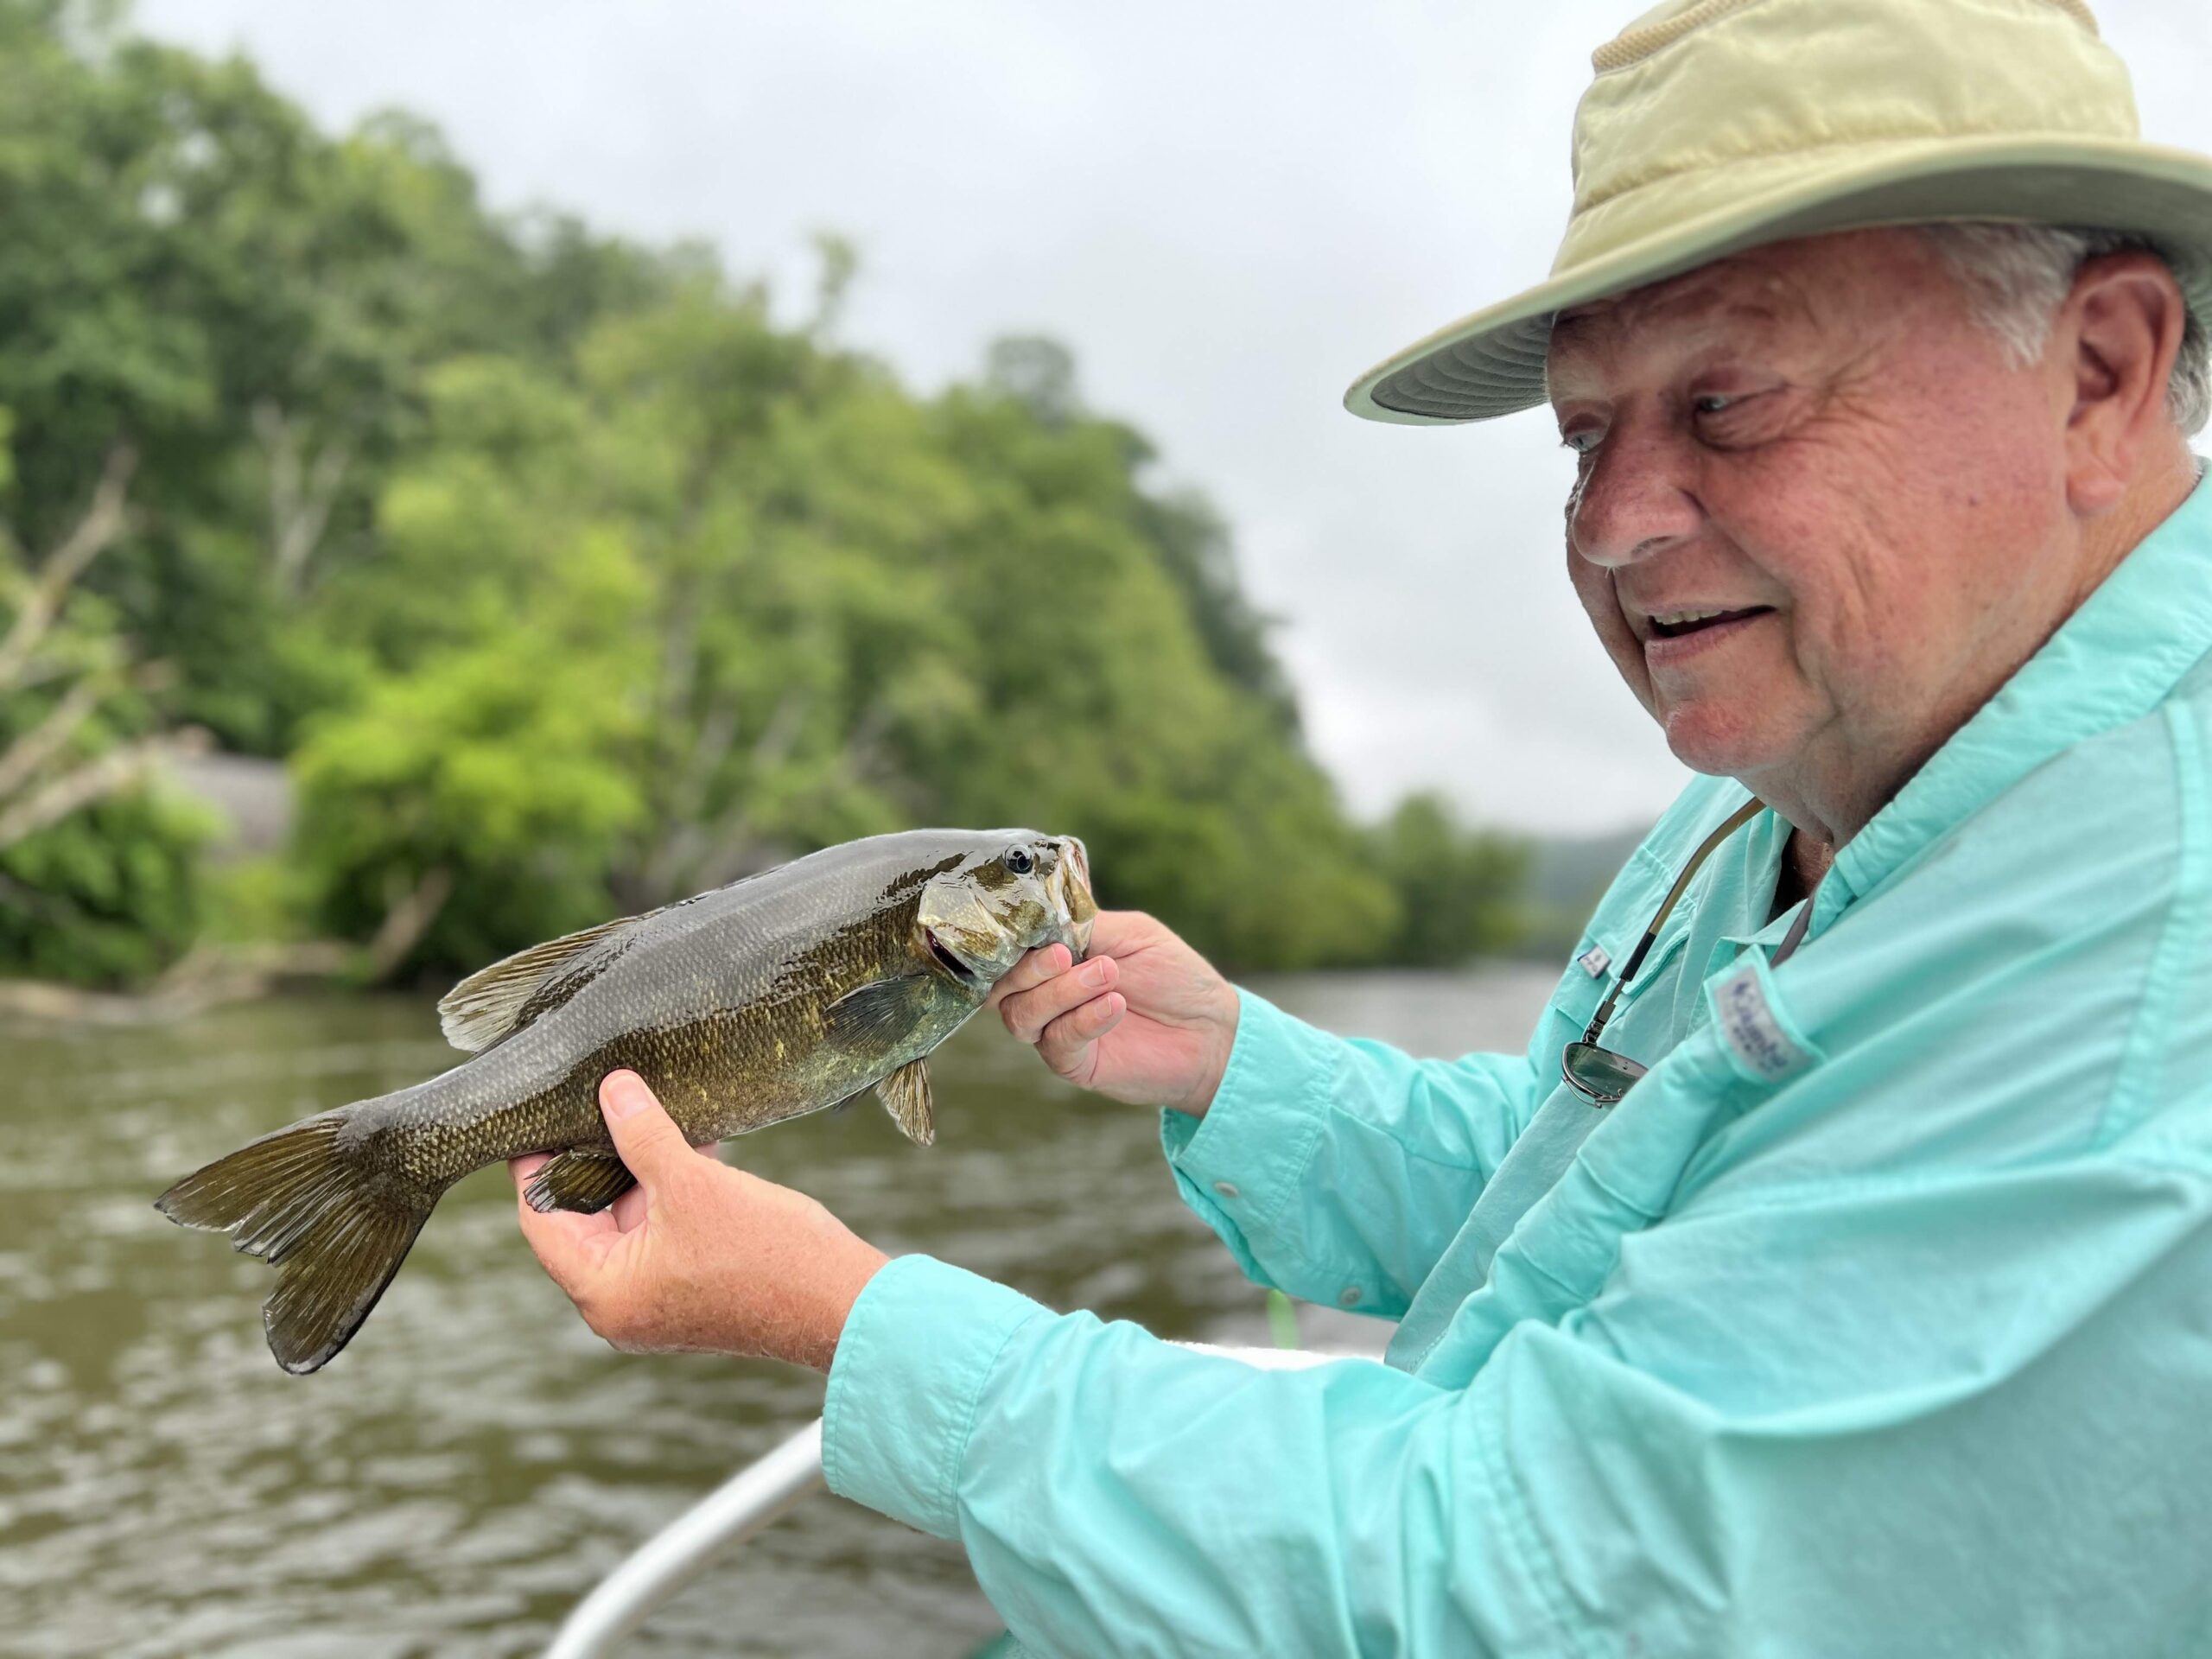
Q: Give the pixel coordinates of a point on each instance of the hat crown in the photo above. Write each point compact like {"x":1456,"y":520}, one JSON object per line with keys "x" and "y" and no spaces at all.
{"x":1699,"y":101}
{"x":1672,"y":19}
{"x":1713,"y":126}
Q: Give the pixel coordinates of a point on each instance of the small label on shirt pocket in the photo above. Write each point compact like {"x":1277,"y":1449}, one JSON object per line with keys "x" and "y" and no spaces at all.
{"x":1602,"y":953}
{"x":1763,"y":1043}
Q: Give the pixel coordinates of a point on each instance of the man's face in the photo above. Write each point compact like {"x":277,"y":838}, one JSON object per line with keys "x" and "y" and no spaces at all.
{"x":1816,"y":441}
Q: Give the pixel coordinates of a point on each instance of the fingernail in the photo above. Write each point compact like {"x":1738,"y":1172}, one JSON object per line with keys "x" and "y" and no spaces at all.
{"x":1094,"y":973}
{"x":623,"y":1093}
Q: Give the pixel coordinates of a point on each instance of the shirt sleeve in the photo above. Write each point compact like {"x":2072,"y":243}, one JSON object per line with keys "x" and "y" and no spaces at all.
{"x":1331,"y":1165}
{"x":1719,"y":1455}
{"x":1905,"y":1353}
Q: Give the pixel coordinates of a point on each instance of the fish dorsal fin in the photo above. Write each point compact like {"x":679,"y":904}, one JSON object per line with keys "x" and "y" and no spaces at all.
{"x":493,"y":1003}
{"x":906,"y":1097}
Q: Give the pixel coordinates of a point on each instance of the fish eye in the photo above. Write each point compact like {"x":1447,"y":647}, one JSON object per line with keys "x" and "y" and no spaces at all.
{"x":1018,"y":860}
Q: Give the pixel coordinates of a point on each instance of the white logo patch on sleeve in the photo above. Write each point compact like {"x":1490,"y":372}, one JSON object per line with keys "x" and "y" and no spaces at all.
{"x":1760,"y":1040}
{"x":1594,"y":961}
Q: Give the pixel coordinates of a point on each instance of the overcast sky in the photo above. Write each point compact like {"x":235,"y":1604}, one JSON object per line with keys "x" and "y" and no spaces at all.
{"x":1226,"y":209}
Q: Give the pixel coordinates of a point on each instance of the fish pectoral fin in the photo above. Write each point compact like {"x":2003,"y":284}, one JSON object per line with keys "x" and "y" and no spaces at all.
{"x":586,"y":1182}
{"x":493,"y":1003}
{"x":884,"y":1011}
{"x":905,"y":1095}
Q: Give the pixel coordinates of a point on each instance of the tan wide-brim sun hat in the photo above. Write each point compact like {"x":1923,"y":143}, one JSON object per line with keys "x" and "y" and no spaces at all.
{"x":1716,"y":125}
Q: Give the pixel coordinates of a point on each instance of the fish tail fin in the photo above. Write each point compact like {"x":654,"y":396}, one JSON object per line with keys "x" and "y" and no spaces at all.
{"x":300,"y":1200}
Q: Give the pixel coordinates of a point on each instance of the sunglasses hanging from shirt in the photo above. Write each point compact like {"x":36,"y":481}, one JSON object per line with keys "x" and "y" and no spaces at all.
{"x":1601,"y":1077}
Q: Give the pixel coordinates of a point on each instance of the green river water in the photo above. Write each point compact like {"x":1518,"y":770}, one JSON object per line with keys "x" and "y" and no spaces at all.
{"x":477,"y":1459}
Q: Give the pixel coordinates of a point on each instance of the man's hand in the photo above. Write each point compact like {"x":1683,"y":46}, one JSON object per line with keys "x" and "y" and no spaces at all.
{"x":698,"y":1257}
{"x":1146,"y":1018}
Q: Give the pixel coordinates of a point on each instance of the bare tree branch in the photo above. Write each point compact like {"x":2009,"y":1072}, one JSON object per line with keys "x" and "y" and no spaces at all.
{"x":737,"y":847}
{"x":670,"y":867}
{"x":406,"y":922}
{"x":777,"y":738}
{"x":232,"y":973}
{"x":22,"y":759}
{"x":300,"y":497}
{"x":95,"y":780}
{"x":102,"y":521}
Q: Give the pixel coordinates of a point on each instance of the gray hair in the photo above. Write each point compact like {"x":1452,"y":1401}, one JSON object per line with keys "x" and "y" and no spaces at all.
{"x":2017,"y":276}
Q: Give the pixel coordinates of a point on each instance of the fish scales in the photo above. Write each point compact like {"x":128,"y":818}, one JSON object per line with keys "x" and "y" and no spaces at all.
{"x":777,"y":995}
{"x":735,"y":972}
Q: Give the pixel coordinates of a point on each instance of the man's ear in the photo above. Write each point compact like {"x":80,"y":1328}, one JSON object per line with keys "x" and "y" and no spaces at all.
{"x":2116,"y":338}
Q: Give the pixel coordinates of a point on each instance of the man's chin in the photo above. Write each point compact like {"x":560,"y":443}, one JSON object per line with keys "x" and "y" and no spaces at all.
{"x":1724,"y":741}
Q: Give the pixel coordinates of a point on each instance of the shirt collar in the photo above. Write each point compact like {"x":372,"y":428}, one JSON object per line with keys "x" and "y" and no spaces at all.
{"x":2113,"y":661}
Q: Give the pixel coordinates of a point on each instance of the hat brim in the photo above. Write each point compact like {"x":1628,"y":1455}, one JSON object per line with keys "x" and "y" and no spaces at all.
{"x":1491,"y":362}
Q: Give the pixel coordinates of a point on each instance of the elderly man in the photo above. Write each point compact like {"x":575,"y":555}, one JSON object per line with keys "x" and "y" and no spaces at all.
{"x":1833,"y":1273}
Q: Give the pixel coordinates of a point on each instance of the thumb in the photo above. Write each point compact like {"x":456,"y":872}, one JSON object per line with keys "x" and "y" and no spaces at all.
{"x":643,"y":1132}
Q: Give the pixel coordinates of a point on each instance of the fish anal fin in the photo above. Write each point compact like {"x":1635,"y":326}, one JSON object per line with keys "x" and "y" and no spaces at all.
{"x":883,"y":1011}
{"x":586,"y":1182}
{"x":905,"y":1095}
{"x":495,"y":1003}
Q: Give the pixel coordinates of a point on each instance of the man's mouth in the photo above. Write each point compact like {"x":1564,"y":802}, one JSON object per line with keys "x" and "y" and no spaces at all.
{"x":1672,"y":624}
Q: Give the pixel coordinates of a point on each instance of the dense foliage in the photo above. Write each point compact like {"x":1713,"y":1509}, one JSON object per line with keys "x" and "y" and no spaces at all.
{"x":567,"y":581}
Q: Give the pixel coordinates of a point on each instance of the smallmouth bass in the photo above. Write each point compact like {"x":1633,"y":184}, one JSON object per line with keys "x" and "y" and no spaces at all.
{"x":785,"y":993}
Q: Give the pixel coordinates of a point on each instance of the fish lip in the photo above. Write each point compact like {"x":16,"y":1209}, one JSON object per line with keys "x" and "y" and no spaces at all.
{"x":1073,"y":879}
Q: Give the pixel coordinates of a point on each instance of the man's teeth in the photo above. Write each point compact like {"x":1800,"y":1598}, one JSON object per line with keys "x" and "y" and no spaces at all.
{"x":1683,"y":618}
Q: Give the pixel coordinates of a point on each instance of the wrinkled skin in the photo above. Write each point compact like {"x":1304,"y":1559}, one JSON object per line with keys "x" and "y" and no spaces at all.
{"x":1821,"y":428}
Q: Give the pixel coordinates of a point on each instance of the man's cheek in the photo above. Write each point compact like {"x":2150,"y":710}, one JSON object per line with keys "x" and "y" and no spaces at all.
{"x":1613,"y":632}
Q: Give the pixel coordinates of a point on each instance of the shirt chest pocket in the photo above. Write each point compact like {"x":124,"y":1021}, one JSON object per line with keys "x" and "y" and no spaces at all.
{"x":1604,"y":953}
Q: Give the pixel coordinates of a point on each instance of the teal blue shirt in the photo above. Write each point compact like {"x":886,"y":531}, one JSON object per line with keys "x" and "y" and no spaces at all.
{"x":1878,"y":1319}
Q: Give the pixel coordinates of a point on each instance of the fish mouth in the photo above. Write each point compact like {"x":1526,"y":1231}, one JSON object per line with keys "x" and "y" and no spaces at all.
{"x":1072,"y":889}
{"x":948,"y":960}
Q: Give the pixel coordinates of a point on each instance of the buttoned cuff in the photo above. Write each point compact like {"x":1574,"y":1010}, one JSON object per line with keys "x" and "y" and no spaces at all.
{"x":911,"y":1365}
{"x":1237,"y":1165}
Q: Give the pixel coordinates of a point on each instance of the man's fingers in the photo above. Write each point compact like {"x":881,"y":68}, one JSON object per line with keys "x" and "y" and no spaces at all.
{"x":1064,"y":1042}
{"x":1034,"y":969}
{"x":643,"y":1132}
{"x":557,"y":1240}
{"x":1028,"y":1013}
{"x":630,"y":1210}
{"x":528,"y":1165}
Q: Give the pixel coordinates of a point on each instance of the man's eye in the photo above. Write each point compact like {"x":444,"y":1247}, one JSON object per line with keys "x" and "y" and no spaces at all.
{"x":1711,"y":403}
{"x":1582,"y":440}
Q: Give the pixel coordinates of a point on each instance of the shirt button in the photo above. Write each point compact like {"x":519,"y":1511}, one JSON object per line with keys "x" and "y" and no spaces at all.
{"x":1348,"y":1297}
{"x":1229,"y":1189}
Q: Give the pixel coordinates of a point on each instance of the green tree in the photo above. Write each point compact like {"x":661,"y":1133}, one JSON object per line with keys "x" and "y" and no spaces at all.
{"x":194,"y":269}
{"x":1458,"y":889}
{"x":570,"y":582}
{"x":97,"y":875}
{"x":853,"y":610}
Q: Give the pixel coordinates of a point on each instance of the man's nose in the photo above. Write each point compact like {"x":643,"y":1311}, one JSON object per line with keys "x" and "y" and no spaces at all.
{"x":1636,"y":495}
